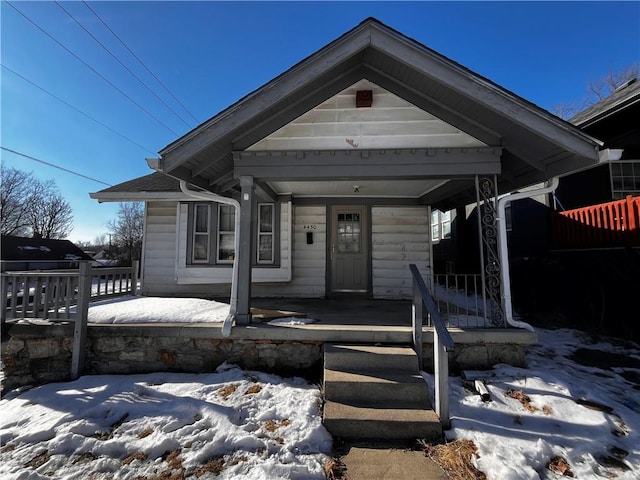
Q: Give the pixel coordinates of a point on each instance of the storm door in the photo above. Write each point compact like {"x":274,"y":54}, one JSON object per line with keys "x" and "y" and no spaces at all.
{"x":349,"y":249}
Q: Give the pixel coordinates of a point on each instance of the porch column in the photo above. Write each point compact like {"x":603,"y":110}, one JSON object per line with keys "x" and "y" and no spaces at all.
{"x":245,"y":255}
{"x":487,"y":200}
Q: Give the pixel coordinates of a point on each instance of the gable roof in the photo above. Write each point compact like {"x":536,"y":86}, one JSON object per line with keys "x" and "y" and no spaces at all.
{"x":535,"y":144}
{"x":40,"y":250}
{"x":623,"y":97}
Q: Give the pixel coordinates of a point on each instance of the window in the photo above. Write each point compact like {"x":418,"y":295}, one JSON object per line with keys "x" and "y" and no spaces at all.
{"x":226,"y":233}
{"x":201,"y":233}
{"x":266,"y":232}
{"x":440,"y":225}
{"x":625,"y":179}
{"x":211,"y":238}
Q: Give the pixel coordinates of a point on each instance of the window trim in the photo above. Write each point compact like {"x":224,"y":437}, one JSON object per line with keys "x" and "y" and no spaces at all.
{"x":218,"y":260}
{"x":195,"y":233}
{"x":271,"y":233}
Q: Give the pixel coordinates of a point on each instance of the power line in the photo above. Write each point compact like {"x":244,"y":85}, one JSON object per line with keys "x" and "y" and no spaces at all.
{"x":91,"y":68}
{"x":141,"y":62}
{"x":77,"y":109}
{"x":54,"y":166}
{"x":120,"y":62}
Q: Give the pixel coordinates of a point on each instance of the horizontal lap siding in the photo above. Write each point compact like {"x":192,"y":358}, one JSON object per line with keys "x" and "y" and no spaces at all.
{"x":309,"y":261}
{"x":399,"y":237}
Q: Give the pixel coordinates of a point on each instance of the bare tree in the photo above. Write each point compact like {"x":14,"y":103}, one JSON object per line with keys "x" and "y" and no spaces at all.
{"x":50,"y":214}
{"x":127,"y":231}
{"x":597,"y":90}
{"x":32,"y":207}
{"x":15,"y":194}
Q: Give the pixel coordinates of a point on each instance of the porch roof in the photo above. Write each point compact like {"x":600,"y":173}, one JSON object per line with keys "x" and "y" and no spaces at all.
{"x":535,"y":145}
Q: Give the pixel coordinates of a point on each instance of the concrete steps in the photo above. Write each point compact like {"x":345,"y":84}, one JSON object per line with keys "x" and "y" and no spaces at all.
{"x":376,"y":393}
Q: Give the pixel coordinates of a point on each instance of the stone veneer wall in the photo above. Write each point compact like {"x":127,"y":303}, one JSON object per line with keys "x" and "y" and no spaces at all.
{"x":37,"y":354}
{"x":42,"y":354}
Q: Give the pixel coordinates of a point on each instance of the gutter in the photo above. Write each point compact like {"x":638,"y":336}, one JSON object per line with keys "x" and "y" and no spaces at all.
{"x":503,"y":249}
{"x":212,"y":197}
{"x":156,"y":164}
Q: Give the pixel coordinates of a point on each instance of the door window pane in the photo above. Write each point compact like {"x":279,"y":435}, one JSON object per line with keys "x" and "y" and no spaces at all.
{"x":348,"y":240}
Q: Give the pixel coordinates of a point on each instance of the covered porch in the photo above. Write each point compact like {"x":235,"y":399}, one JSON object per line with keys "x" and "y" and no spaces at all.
{"x":369,"y":126}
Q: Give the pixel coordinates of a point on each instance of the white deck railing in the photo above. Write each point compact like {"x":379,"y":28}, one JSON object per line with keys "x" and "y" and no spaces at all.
{"x":64,"y":295}
{"x":442,"y":342}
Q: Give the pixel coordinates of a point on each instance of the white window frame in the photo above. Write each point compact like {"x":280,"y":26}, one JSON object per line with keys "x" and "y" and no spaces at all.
{"x":195,"y":233}
{"x":621,"y":193}
{"x":220,"y":232}
{"x":439,"y":220}
{"x":270,"y":233}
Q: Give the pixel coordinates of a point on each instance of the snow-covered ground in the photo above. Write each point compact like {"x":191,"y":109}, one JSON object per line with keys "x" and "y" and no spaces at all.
{"x":229,"y":424}
{"x":556,"y":410}
{"x":581,"y":419}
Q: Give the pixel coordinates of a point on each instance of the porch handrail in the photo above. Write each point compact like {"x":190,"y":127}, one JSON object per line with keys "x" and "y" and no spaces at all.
{"x":442,"y":342}
{"x":55,"y":292}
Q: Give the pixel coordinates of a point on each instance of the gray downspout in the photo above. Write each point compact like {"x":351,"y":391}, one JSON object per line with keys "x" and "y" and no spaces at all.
{"x":212,"y":197}
{"x":552,"y":184}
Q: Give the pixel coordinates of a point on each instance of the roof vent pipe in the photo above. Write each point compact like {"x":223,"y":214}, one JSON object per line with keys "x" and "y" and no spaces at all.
{"x":503,"y":249}
{"x":212,"y":197}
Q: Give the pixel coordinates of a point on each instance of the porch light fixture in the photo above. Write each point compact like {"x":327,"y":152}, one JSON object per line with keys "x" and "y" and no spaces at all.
{"x":364,"y":98}
{"x":356,"y":189}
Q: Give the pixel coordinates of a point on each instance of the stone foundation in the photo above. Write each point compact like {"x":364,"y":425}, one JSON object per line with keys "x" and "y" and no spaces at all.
{"x":39,"y":354}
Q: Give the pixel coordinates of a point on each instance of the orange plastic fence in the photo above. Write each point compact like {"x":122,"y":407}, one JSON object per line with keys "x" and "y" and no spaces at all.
{"x":605,"y":225}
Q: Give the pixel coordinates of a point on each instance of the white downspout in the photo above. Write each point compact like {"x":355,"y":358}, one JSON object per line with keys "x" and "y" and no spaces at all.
{"x":212,"y":197}
{"x":503,"y":249}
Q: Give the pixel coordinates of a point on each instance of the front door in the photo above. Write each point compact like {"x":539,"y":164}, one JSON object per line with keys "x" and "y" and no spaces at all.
{"x":349,"y":249}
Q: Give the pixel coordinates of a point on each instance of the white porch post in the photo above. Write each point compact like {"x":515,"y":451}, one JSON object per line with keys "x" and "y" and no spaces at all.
{"x":245,"y":256}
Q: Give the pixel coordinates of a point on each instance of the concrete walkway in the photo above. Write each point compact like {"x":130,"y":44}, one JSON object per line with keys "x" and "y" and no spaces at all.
{"x":371,"y":462}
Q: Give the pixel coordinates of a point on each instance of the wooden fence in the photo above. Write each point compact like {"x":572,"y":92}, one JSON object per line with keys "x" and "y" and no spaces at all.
{"x":64,"y":295}
{"x":612,"y":224}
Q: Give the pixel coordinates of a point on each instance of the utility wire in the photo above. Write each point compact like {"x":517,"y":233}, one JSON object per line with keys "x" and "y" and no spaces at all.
{"x":54,"y":166}
{"x":141,"y":62}
{"x":90,"y":68}
{"x":120,"y":62}
{"x":76,"y":109}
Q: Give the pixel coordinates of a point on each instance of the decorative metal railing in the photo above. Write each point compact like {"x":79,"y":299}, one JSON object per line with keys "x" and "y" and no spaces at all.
{"x":442,"y":342}
{"x":460,"y":301}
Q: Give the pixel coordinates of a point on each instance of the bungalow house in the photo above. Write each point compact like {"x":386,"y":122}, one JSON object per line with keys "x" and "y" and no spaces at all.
{"x":321,"y":183}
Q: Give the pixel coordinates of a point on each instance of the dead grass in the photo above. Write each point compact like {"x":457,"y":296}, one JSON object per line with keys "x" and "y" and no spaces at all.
{"x":272,"y":426}
{"x":560,"y":466}
{"x":334,"y":469}
{"x":523,"y":398}
{"x":547,"y":410}
{"x":226,"y":391}
{"x":135,"y":456}
{"x":174,"y":460}
{"x":145,"y":433}
{"x":38,"y":460}
{"x":455,"y":458}
{"x":84,"y":458}
{"x":253,"y":389}
{"x":215,"y":466}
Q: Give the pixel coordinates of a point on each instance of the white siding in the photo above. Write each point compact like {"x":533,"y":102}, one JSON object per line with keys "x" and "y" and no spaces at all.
{"x":391,"y":122}
{"x":309,"y":261}
{"x":399,"y":237}
{"x":166,"y":238}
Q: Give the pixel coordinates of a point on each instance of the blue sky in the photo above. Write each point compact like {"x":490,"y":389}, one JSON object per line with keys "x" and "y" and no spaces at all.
{"x":210,"y":54}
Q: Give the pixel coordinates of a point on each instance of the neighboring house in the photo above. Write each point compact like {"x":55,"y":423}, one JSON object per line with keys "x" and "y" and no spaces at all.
{"x":576,"y":252}
{"x":22,"y":254}
{"x":336,"y":165}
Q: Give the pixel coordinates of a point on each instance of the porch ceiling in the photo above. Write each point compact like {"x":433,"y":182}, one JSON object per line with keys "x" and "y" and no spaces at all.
{"x":535,"y":144}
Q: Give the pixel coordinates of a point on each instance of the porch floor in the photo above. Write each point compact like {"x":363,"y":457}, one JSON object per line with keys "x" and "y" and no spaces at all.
{"x":344,"y":311}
